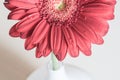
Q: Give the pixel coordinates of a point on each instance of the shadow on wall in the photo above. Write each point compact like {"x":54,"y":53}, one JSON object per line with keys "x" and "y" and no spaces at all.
{"x":12,"y":67}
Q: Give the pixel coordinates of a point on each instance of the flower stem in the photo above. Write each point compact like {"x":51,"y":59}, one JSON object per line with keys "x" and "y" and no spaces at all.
{"x":55,"y":62}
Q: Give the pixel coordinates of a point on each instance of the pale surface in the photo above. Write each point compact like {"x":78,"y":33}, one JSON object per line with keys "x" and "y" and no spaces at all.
{"x":17,"y":64}
{"x":66,"y":72}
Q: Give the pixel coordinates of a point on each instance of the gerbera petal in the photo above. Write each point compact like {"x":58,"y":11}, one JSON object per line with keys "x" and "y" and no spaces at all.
{"x":31,"y":11}
{"x":56,"y":35}
{"x":28,"y":44}
{"x":63,"y":50}
{"x":38,"y":53}
{"x":98,"y":10}
{"x":26,"y":26}
{"x":85,"y":1}
{"x":9,"y":6}
{"x":28,"y":32}
{"x":16,"y":14}
{"x":25,"y":5}
{"x":86,"y":32}
{"x":109,"y":2}
{"x":100,"y":26}
{"x":29,"y":1}
{"x":37,"y":35}
{"x":44,"y":53}
{"x":28,"y":22}
{"x":47,"y":51}
{"x":25,"y":35}
{"x":43,"y":48}
{"x":40,"y":31}
{"x":13,"y":32}
{"x":83,"y":44}
{"x":70,"y":38}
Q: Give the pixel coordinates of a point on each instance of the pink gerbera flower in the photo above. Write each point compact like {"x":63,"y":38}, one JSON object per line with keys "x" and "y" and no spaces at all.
{"x":60,"y":26}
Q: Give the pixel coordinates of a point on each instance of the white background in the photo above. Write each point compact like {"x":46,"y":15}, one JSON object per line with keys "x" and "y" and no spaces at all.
{"x":16,"y":63}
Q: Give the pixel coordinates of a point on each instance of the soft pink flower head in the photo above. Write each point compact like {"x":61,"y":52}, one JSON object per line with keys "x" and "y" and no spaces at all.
{"x":60,"y":26}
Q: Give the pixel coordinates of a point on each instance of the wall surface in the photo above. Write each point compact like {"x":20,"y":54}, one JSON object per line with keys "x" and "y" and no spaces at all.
{"x":16,"y":63}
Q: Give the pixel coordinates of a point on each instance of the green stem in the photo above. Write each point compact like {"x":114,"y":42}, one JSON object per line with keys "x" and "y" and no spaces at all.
{"x":55,"y":62}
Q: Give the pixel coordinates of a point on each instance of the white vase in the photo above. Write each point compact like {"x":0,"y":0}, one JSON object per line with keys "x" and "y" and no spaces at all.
{"x":59,"y":74}
{"x":65,"y":72}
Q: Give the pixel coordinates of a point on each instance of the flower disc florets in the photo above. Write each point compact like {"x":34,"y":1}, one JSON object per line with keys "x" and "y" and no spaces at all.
{"x":60,"y":11}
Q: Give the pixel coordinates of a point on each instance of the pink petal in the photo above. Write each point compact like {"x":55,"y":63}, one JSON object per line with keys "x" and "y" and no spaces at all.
{"x":43,"y":48}
{"x":21,"y":4}
{"x":9,"y":6}
{"x":17,"y":14}
{"x":42,"y":44}
{"x":32,"y":11}
{"x":28,"y":44}
{"x":83,"y":44}
{"x":85,"y":1}
{"x":63,"y":50}
{"x":29,"y":1}
{"x":98,"y":10}
{"x":40,"y":31}
{"x":70,"y":38}
{"x":100,"y":26}
{"x":85,"y":31}
{"x":109,"y":2}
{"x":56,"y":38}
{"x":28,"y":22}
{"x":13,"y":32}
{"x":28,"y":32}
{"x":38,"y":53}
{"x":47,"y":51}
{"x":25,"y":35}
{"x":26,"y":26}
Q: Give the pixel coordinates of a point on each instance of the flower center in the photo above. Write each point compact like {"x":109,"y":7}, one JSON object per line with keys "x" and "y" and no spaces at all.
{"x":59,"y":4}
{"x":60,"y":10}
